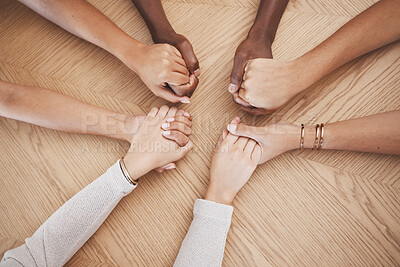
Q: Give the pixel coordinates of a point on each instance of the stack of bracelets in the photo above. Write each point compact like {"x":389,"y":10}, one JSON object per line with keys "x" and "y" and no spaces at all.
{"x":126,"y":173}
{"x":319,"y":137}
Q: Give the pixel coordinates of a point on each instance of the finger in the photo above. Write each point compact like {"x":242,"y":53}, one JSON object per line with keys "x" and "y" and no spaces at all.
{"x":237,"y":73}
{"x":241,"y":142}
{"x":243,"y":96}
{"x":176,"y":78}
{"x":257,"y":154}
{"x":231,"y":139}
{"x":187,"y":52}
{"x":183,"y":113}
{"x":256,"y":133}
{"x":256,"y":111}
{"x":250,"y":147}
{"x":220,"y":140}
{"x":177,"y":126}
{"x":184,"y":150}
{"x":163,"y":111}
{"x":172,"y":112}
{"x":176,"y":136}
{"x":224,"y":134}
{"x":171,"y":97}
{"x":153,"y":112}
{"x":181,"y":68}
{"x":186,"y":89}
{"x":239,"y":100}
{"x":160,"y":170}
{"x":181,"y":119}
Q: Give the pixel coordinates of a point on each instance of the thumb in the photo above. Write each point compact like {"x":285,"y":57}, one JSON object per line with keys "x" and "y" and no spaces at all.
{"x":185,"y":149}
{"x":171,"y":97}
{"x":189,"y":57}
{"x":237,"y":74}
{"x":256,"y":133}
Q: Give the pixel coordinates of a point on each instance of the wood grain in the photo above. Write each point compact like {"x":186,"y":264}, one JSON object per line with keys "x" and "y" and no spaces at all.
{"x":300,"y":209}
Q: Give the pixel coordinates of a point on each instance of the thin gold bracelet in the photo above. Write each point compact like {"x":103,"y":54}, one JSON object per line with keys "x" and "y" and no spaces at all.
{"x":126,"y":173}
{"x":316,"y":141}
{"x":321,"y":139}
{"x":302,"y":137}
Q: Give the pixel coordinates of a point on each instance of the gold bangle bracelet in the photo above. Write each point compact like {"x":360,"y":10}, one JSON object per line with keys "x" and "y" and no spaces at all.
{"x":126,"y":173}
{"x":321,"y":139}
{"x":316,"y":141}
{"x":302,"y":137}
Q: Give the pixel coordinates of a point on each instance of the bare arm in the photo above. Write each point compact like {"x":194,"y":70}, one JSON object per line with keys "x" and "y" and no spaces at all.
{"x":378,"y":133}
{"x":53,"y":110}
{"x":377,"y":26}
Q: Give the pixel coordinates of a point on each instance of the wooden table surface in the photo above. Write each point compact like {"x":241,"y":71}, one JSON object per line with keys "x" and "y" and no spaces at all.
{"x":328,"y":208}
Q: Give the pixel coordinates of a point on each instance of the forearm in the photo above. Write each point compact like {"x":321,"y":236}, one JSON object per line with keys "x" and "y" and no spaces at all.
{"x":373,"y":28}
{"x":154,"y":16}
{"x":376,"y":134}
{"x":267,"y":20}
{"x":56,"y":111}
{"x":204,"y":243}
{"x":85,"y":21}
{"x":58,"y":239}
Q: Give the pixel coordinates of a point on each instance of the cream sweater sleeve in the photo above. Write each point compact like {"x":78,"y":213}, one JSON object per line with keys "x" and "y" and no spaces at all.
{"x":60,"y":237}
{"x":204,"y":243}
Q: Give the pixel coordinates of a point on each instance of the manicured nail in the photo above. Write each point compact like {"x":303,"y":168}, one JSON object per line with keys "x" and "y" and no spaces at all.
{"x":185,"y":101}
{"x":165,"y":126}
{"x":232,"y":88}
{"x":187,"y":115}
{"x":197,"y":72}
{"x":170,"y":167}
{"x":232,"y":127}
{"x":166,"y":133}
{"x":170,"y":119}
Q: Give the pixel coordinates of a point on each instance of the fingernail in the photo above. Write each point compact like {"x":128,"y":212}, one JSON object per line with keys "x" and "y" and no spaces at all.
{"x":185,"y":101}
{"x":166,"y":133}
{"x":170,"y":167}
{"x":232,"y":127}
{"x":170,"y":119}
{"x":232,"y":88}
{"x":165,"y":125}
{"x":197,"y":72}
{"x":187,"y":115}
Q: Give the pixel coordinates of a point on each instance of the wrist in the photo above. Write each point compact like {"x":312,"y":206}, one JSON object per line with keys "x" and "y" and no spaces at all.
{"x":219,"y":196}
{"x":260,"y":33}
{"x":163,"y":34}
{"x":129,"y":52}
{"x":136,"y":168}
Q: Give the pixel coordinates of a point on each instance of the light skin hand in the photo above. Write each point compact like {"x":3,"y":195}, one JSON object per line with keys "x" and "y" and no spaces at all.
{"x":153,"y":147}
{"x":274,"y":139}
{"x":269,"y":83}
{"x":158,"y":66}
{"x":233,"y":162}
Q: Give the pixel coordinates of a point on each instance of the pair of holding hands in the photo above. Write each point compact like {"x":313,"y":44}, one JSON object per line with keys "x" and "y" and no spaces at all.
{"x":169,"y":69}
{"x":163,"y":138}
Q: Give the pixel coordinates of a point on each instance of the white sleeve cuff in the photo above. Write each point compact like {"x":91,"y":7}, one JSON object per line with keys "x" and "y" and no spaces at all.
{"x":213,"y":210}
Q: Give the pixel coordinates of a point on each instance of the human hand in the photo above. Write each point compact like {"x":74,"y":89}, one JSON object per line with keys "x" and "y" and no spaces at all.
{"x":233,"y":162}
{"x":162,"y":138}
{"x":269,"y":83}
{"x":274,"y":139}
{"x":254,"y":46}
{"x":158,"y":66}
{"x":181,"y":43}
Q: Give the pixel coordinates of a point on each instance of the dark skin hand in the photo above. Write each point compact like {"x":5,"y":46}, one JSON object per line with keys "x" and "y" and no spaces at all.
{"x":257,"y":45}
{"x":162,"y":32}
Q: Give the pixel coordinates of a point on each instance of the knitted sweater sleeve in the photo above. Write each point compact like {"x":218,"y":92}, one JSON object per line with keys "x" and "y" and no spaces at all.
{"x":204,"y":243}
{"x":61,"y":236}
